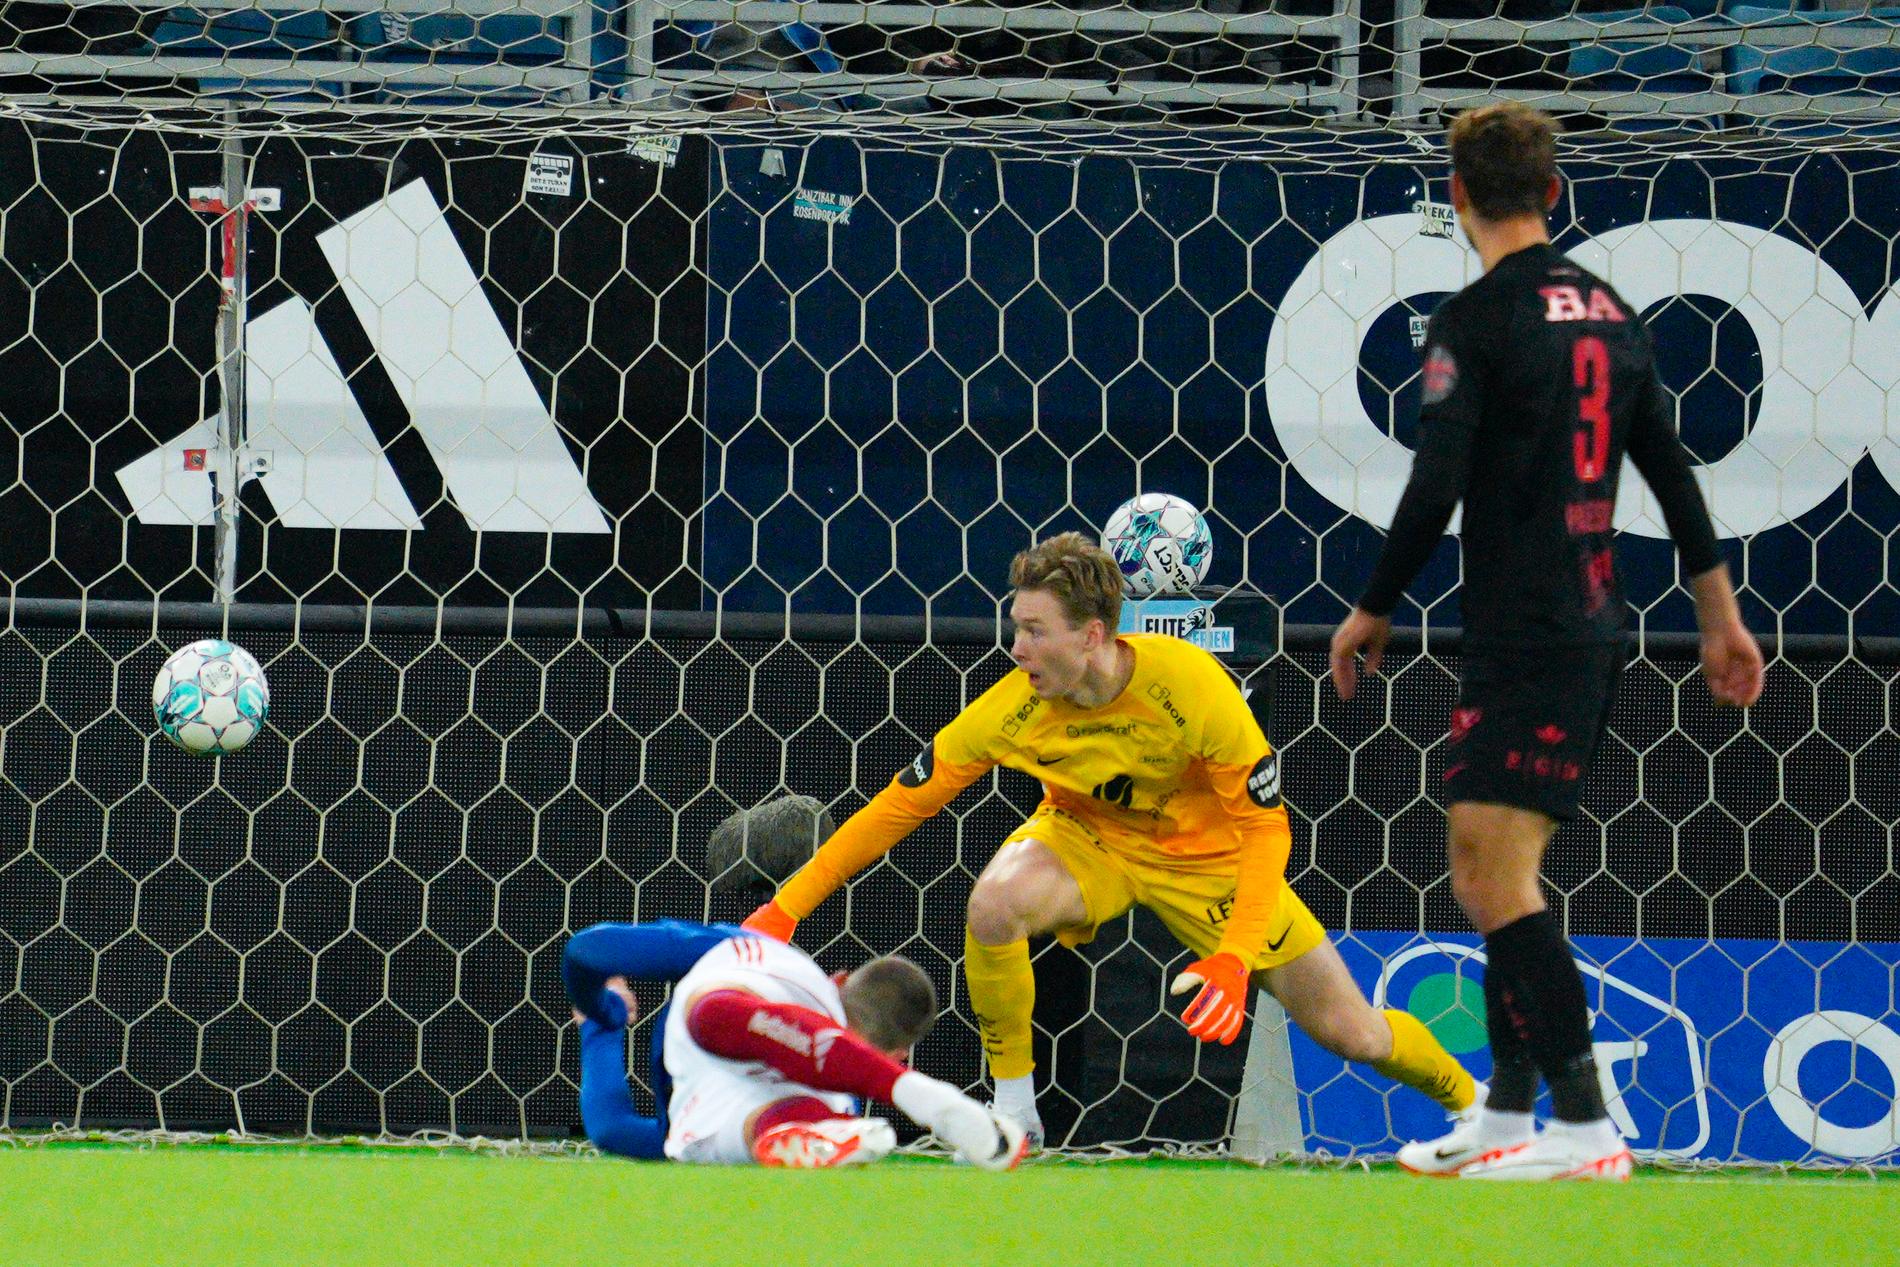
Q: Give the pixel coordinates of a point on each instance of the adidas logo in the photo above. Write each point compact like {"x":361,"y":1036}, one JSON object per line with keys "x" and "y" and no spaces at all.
{"x":458,"y":373}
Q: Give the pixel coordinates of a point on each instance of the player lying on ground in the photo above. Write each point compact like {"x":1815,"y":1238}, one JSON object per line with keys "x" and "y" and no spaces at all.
{"x":760,"y":1054}
{"x":1158,"y":789}
{"x":1539,"y":377}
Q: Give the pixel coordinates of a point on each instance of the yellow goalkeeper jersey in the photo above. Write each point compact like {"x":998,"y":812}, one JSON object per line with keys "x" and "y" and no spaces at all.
{"x":1174,"y":773}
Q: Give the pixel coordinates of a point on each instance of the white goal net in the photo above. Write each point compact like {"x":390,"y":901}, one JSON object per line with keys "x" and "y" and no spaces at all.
{"x":597,"y":419}
{"x":1221,"y":61}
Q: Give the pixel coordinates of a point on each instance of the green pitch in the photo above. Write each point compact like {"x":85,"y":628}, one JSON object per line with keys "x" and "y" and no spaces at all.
{"x":357,"y":1207}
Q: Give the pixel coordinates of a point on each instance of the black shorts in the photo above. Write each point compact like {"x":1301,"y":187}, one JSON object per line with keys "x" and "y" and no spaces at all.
{"x":1527,"y":723}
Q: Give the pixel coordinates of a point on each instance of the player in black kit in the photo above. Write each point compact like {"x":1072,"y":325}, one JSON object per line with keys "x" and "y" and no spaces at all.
{"x":1538,"y":379}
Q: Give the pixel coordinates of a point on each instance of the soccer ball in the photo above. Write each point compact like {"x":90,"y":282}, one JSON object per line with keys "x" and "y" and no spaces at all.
{"x":210,"y":697}
{"x":1161,"y":543}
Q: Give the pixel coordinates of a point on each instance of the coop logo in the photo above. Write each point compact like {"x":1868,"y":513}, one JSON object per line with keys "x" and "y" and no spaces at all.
{"x":1827,"y":368}
{"x":1638,"y":1039}
{"x":1178,"y":618}
{"x":1815,"y":1119}
{"x":459,"y":375}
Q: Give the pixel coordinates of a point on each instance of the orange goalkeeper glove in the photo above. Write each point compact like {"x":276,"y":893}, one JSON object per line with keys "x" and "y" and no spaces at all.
{"x":771,"y":921}
{"x":1217,"y":1011}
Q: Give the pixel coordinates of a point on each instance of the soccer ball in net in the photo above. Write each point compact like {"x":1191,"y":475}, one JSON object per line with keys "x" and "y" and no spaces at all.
{"x":210,"y":697}
{"x":1160,"y":542}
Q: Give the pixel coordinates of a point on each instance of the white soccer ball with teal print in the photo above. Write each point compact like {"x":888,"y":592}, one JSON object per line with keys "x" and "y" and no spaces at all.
{"x":1161,"y":544}
{"x":210,"y":697}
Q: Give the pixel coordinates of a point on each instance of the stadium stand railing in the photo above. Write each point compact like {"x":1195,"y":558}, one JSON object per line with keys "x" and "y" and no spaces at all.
{"x":1693,"y":64}
{"x":539,"y":50}
{"x":1670,"y":62}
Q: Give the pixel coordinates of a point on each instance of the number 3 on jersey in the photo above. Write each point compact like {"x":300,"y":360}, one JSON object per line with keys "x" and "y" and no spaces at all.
{"x":1590,"y":372}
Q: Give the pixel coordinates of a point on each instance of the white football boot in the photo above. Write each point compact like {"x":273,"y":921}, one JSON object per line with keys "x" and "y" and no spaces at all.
{"x":1594,"y":1151}
{"x":1474,"y":1136}
{"x":835,"y":1141}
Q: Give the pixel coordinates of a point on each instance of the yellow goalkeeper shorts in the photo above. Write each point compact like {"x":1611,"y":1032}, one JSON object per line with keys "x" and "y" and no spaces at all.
{"x":1193,"y":904}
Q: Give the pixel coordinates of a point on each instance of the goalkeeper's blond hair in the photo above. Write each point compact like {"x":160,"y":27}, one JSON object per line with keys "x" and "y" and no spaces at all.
{"x":1078,"y":573}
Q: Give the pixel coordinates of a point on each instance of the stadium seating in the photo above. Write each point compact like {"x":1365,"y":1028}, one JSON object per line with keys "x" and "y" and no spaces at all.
{"x":1649,"y":63}
{"x":265,"y":34}
{"x":257,"y":32}
{"x":1647,"y":51}
{"x":1813,"y":69}
{"x":520,"y":39}
{"x":459,"y":38}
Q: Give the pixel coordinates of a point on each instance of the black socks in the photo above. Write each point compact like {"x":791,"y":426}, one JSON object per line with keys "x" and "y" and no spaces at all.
{"x":1539,"y":1021}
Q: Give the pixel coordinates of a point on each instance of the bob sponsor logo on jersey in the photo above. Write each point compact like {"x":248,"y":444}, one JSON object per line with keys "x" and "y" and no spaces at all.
{"x":1014,"y":722}
{"x":1162,"y":696}
{"x":1182,"y":618}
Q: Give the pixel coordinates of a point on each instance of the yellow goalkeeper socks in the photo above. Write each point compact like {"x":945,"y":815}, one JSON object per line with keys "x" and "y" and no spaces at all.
{"x":1420,"y":1061}
{"x":1003,"y":996}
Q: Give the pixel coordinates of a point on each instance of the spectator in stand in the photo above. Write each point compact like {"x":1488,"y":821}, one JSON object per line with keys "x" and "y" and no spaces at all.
{"x":799,"y":47}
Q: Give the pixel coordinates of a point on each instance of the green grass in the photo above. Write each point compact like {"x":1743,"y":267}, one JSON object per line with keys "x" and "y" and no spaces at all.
{"x":353,"y":1207}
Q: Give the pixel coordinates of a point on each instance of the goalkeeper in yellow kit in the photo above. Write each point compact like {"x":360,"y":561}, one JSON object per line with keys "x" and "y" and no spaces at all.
{"x":1159,"y":789}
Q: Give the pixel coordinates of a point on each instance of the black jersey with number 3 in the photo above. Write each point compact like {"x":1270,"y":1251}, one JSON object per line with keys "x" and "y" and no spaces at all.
{"x":1538,"y":379}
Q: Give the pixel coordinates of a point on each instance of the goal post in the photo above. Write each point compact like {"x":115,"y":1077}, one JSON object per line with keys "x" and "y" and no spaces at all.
{"x":627,"y":462}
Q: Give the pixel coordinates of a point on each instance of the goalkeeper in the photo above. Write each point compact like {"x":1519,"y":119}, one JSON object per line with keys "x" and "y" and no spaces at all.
{"x":762,"y":1057}
{"x":1158,"y":789}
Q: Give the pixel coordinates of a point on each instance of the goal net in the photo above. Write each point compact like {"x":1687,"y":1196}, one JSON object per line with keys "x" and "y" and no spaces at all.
{"x":1221,"y":61}
{"x":598,"y":419}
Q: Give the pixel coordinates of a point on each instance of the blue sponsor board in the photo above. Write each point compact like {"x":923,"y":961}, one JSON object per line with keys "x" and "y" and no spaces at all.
{"x":1051,"y":335}
{"x":1185,"y":618}
{"x":1715,"y":1051}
